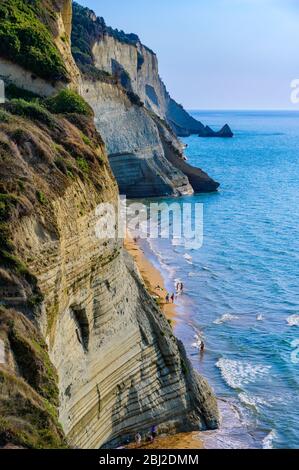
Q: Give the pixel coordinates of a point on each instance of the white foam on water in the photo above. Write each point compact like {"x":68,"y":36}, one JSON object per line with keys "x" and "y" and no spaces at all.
{"x":188,"y":258}
{"x":268,"y":440}
{"x":225,"y":318}
{"x":192,"y":274}
{"x":234,"y":431}
{"x":260,"y":317}
{"x":253,"y":401}
{"x":198,"y":341}
{"x":237,"y":374}
{"x":293,"y":320}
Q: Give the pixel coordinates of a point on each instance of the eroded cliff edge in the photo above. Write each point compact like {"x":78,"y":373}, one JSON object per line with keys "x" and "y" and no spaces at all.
{"x":117,"y":72}
{"x":88,"y":356}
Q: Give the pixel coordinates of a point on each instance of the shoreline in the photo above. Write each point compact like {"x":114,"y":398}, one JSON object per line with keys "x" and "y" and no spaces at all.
{"x":153,"y":278}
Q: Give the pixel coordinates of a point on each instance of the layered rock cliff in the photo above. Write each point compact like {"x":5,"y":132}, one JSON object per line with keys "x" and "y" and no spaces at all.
{"x":124,"y":55}
{"x":89,"y":358}
{"x":35,"y":45}
{"x":118,"y":73}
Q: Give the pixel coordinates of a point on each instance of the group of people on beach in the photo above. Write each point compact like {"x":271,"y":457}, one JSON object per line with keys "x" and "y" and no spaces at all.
{"x":150,"y":437}
{"x":179,"y":290}
{"x":169,"y":298}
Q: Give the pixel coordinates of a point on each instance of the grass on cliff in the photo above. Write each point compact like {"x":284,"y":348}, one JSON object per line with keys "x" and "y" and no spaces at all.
{"x":68,"y":101}
{"x":28,"y":397}
{"x":25,"y":40}
{"x":42,"y":156}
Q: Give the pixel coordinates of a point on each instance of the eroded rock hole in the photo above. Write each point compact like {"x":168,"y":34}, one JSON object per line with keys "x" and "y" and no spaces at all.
{"x":82,"y":330}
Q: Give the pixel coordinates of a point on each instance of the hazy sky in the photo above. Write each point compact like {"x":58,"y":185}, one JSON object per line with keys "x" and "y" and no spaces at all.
{"x":217,"y":54}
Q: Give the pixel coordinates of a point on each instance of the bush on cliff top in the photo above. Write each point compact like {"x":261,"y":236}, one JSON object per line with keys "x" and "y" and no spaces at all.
{"x":24,"y":39}
{"x":68,"y":101}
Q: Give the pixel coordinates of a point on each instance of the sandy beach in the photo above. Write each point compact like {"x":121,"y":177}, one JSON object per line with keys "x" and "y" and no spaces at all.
{"x":152,"y":278}
{"x":154,"y":282}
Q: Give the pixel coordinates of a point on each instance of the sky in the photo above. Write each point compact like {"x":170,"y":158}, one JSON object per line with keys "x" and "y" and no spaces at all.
{"x":217,"y":54}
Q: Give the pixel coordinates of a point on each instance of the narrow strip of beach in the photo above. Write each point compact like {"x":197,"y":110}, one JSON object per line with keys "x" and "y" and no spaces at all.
{"x":155,"y":285}
{"x":152,"y":278}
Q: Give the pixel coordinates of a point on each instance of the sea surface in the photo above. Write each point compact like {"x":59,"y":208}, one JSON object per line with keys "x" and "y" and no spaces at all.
{"x":241,"y":291}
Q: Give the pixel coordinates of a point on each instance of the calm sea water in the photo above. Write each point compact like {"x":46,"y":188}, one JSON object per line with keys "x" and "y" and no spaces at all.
{"x":241,"y":288}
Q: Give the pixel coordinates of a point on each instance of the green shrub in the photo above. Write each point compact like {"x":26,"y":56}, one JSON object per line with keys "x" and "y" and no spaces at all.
{"x":42,"y":199}
{"x":24,"y":39}
{"x":7,"y":202}
{"x":4,"y":116}
{"x":86,"y":140}
{"x":83,"y":165}
{"x":68,"y":101}
{"x":31,"y":110}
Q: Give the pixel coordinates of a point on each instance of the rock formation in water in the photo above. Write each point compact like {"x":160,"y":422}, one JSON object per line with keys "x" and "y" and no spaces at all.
{"x":89,"y":358}
{"x":225,"y":132}
{"x":119,"y":77}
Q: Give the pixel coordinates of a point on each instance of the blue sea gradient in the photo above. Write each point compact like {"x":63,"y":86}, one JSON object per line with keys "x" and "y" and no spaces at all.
{"x":241,"y":288}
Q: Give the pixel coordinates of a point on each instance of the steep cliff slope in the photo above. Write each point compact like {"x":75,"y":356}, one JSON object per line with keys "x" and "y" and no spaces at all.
{"x":135,"y":145}
{"x":35,"y":45}
{"x":121,"y":54}
{"x":88,"y":356}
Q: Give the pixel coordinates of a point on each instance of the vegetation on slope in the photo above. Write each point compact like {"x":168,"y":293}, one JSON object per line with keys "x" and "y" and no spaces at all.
{"x":68,"y":101}
{"x":28,"y":404}
{"x":25,"y":40}
{"x":41,"y":155}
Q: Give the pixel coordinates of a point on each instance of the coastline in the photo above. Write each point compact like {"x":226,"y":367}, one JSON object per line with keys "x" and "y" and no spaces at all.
{"x":152,"y":278}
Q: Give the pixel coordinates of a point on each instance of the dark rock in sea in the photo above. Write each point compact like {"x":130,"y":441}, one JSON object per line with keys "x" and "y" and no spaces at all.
{"x":225,"y":132}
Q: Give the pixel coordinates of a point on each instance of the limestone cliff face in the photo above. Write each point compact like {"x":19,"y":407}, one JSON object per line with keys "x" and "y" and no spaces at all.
{"x":137,"y":67}
{"x":119,"y":75}
{"x":133,"y":142}
{"x":120,"y":368}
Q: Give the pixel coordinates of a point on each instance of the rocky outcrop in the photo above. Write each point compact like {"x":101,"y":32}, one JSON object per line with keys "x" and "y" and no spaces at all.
{"x":119,"y":75}
{"x":132,"y":139}
{"x":199,"y":180}
{"x":124,"y":55}
{"x":225,"y":132}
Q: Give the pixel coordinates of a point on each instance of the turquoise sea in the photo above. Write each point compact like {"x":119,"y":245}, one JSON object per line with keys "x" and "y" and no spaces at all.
{"x":242,"y":287}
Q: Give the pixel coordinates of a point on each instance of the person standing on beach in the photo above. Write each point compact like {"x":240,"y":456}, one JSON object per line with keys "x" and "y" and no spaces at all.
{"x":138,"y":439}
{"x":167,"y":298}
{"x":154,"y":432}
{"x":172,"y":298}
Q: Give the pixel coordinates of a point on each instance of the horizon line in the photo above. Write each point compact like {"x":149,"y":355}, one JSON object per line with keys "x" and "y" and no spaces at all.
{"x":242,"y":109}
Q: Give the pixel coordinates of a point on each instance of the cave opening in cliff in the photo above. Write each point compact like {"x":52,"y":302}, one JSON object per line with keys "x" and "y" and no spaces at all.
{"x":82,"y":330}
